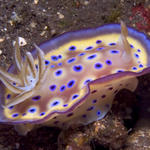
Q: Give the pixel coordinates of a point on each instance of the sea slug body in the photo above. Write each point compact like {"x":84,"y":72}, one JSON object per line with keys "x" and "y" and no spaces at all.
{"x":74,"y":78}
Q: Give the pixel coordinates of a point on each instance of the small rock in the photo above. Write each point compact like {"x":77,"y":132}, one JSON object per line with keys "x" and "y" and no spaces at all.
{"x":86,"y":2}
{"x":1,"y":40}
{"x":15,"y":17}
{"x":36,"y":1}
{"x":61,"y":16}
{"x":33,"y":24}
{"x":42,"y":33}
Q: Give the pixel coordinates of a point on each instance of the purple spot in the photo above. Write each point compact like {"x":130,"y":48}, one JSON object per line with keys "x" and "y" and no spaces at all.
{"x":77,"y":68}
{"x":98,"y":113}
{"x":81,"y":54}
{"x":138,"y":50}
{"x":36,"y":98}
{"x":136,"y":55}
{"x":8,"y":96}
{"x":103,"y":96}
{"x":70,"y":114}
{"x":58,"y":72}
{"x":98,"y":41}
{"x":62,"y":88}
{"x":72,"y":48}
{"x":65,"y":105}
{"x":15,"y":115}
{"x":54,"y":117}
{"x":90,"y":108}
{"x":71,"y":60}
{"x":110,"y":88}
{"x":71,"y":83}
{"x":134,"y":68}
{"x":52,"y":87}
{"x":11,"y":107}
{"x":100,"y":48}
{"x":52,"y":66}
{"x":84,"y":115}
{"x":114,"y":51}
{"x":47,"y":62}
{"x":131,"y":46}
{"x":120,"y":71}
{"x":59,"y":56}
{"x":98,"y":66}
{"x":107,"y":105}
{"x":42,"y":113}
{"x":55,"y":103}
{"x":54,"y":58}
{"x":94,"y":101}
{"x":91,"y":56}
{"x":23,"y":114}
{"x":75,"y":96}
{"x":89,"y":48}
{"x":36,"y":66}
{"x":32,"y":110}
{"x":111,"y":44}
{"x":59,"y":64}
{"x":108,"y":62}
{"x":94,"y":91}
{"x":140,"y":66}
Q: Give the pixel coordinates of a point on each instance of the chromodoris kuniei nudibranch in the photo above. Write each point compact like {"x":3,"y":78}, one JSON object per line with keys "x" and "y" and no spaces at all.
{"x":74,"y":78}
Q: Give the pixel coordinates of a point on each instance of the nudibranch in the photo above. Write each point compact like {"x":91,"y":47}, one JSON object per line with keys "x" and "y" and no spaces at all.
{"x":73,"y":78}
